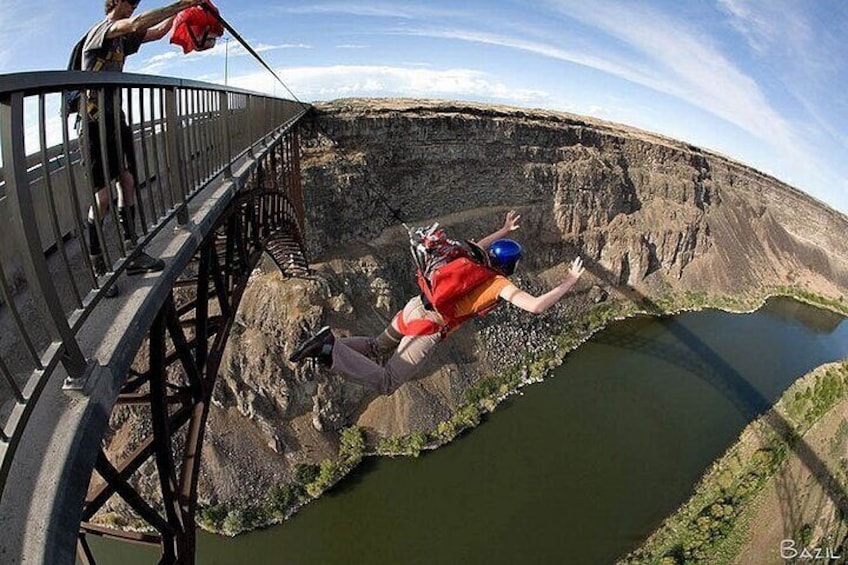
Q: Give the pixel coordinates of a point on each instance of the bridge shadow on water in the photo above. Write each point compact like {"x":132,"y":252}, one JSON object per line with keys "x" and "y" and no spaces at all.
{"x":692,"y":354}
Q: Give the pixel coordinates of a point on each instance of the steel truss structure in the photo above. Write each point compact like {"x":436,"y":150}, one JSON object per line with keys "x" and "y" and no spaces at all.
{"x":174,"y":374}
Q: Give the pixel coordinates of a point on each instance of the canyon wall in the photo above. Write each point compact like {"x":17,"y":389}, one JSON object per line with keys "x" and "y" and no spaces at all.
{"x":653,"y":218}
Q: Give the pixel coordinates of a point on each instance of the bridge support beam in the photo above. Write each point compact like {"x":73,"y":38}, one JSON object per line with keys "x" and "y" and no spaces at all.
{"x":171,"y":381}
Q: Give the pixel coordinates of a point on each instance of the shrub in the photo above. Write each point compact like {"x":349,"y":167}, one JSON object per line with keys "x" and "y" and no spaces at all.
{"x":411,"y":444}
{"x":212,"y":517}
{"x":305,"y":473}
{"x":327,"y":476}
{"x":242,"y":519}
{"x":446,"y":430}
{"x":280,"y":499}
{"x":352,"y":446}
{"x":467,"y":417}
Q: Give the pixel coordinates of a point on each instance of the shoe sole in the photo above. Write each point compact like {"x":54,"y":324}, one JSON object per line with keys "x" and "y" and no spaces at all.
{"x":141,"y":270}
{"x":295,"y":357}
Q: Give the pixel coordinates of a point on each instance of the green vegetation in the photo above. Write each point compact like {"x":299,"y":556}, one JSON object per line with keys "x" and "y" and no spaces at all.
{"x":839,"y":305}
{"x":808,"y":405}
{"x":305,"y":473}
{"x":411,"y":444}
{"x":352,"y":445}
{"x":281,"y":500}
{"x":231,"y":519}
{"x":351,"y":452}
{"x":329,"y":473}
{"x":711,"y":527}
{"x":697,"y":300}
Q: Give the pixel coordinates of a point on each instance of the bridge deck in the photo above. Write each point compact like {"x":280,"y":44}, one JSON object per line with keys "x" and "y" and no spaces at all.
{"x":49,"y":476}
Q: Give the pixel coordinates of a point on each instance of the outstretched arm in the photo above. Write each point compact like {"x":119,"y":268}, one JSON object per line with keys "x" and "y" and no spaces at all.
{"x":158,"y":31}
{"x":538,"y":304}
{"x":510,"y":225}
{"x":142,"y":23}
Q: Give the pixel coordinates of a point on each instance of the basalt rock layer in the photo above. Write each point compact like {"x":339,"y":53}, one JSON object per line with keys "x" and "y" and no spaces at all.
{"x":651,"y":216}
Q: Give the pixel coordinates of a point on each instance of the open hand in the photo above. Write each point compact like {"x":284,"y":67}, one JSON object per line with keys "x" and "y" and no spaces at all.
{"x":576,"y":268}
{"x":511,"y":222}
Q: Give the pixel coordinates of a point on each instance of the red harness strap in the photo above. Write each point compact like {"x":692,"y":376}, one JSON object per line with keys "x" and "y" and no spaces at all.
{"x":418,"y":327}
{"x":429,"y":327}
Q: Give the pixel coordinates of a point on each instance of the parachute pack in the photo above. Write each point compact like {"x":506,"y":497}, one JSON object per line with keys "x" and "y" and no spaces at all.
{"x":197,"y":28}
{"x":447,"y":271}
{"x":71,"y":98}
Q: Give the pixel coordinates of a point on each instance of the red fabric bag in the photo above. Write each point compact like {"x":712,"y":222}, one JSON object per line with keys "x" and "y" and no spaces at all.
{"x":197,"y":28}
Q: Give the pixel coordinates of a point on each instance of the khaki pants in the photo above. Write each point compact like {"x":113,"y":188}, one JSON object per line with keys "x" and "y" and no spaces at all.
{"x":351,"y":354}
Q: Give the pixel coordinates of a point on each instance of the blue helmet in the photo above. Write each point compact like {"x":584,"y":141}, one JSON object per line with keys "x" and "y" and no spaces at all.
{"x":504,"y":254}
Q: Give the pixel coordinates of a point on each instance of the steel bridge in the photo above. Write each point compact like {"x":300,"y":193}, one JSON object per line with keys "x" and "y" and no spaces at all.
{"x":218,"y":177}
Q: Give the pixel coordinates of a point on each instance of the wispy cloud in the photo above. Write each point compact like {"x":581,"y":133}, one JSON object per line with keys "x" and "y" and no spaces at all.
{"x":157,"y":63}
{"x":372,"y":10}
{"x":325,"y":83}
{"x":767,"y":23}
{"x":790,"y":39}
{"x":800,"y":53}
{"x":692,"y":67}
{"x":757,"y":28}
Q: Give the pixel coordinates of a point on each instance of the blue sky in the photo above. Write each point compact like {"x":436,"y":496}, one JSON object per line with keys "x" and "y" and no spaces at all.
{"x":762,"y":81}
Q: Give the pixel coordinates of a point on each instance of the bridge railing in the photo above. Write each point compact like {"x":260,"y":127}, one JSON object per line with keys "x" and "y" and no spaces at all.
{"x":185,"y":134}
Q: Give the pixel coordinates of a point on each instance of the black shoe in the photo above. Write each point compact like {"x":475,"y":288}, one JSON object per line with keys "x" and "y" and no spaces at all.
{"x":112,"y":291}
{"x":319,"y":346}
{"x":100,"y":270}
{"x":144,"y":263}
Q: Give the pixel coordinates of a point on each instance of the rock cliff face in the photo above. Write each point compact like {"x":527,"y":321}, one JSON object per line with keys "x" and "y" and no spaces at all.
{"x":652,"y":217}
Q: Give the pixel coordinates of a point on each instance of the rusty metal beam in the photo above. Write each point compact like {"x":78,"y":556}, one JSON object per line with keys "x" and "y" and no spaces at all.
{"x":225,"y":260}
{"x":106,"y":470}
{"x":163,"y":454}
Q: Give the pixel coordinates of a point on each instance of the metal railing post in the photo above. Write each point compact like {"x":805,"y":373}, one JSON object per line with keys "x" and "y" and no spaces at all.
{"x":176,"y":164}
{"x":24,"y":224}
{"x":227,"y":141}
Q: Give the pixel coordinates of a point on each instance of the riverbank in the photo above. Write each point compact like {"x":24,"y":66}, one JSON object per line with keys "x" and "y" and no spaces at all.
{"x":780,"y":489}
{"x":312,"y":480}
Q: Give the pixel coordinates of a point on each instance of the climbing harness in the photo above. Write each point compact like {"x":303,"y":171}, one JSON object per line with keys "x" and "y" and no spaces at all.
{"x":446,"y":272}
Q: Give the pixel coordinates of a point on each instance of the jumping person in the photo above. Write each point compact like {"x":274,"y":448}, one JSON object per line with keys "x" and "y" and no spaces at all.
{"x":107,"y":45}
{"x":415,"y":331}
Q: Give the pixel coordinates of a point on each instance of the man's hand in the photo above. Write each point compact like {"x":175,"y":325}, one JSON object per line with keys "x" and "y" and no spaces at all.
{"x":576,"y":269}
{"x":511,"y":222}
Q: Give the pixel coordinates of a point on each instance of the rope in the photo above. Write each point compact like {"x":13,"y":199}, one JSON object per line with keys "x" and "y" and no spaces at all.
{"x":372,"y":191}
{"x":250,"y":49}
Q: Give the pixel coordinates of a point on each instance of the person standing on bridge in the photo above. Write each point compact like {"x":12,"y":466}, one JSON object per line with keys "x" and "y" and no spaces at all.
{"x":107,"y":45}
{"x":416,"y":330}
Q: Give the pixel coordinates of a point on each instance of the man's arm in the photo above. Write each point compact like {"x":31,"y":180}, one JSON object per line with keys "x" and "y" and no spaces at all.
{"x":158,"y":31}
{"x":538,"y":304}
{"x":510,"y":225}
{"x":143,"y":22}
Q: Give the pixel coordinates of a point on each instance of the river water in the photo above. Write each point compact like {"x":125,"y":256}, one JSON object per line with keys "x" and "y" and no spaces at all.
{"x":578,"y":469}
